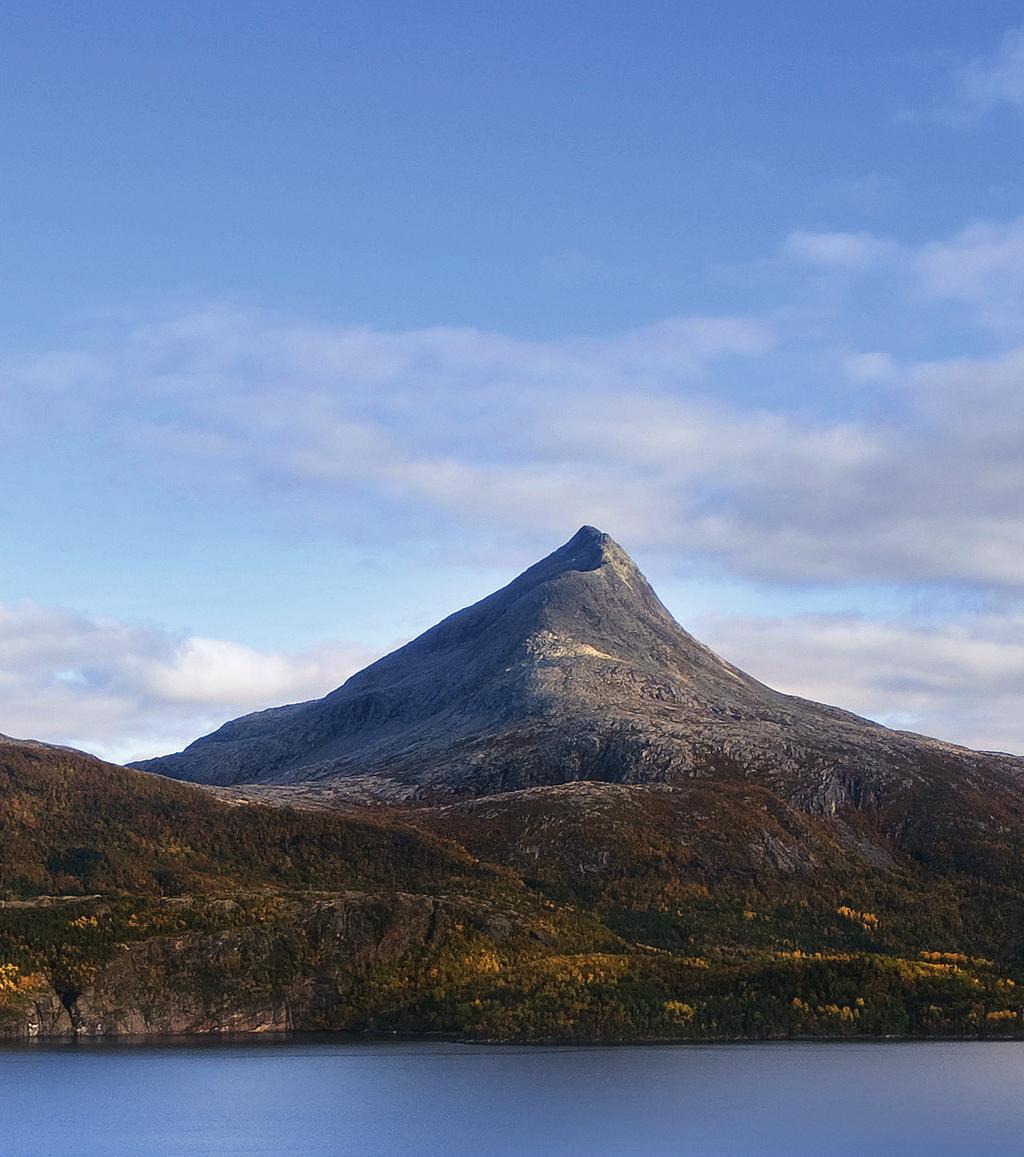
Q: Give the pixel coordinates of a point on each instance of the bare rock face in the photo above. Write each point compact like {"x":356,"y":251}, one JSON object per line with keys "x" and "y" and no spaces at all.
{"x":576,"y":671}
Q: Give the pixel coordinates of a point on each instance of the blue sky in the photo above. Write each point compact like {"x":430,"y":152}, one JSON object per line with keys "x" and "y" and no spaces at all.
{"x":320,"y":320}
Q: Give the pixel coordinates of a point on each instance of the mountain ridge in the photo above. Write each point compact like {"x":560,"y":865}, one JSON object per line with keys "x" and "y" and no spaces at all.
{"x":574,"y":670}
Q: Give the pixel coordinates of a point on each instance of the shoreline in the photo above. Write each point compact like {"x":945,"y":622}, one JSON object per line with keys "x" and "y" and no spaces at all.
{"x":354,"y":1037}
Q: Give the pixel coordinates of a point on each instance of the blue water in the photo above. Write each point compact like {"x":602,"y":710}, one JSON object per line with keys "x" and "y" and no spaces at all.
{"x":311,"y":1097}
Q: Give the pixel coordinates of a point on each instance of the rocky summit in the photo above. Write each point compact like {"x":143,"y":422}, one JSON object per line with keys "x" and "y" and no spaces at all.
{"x":576,"y":671}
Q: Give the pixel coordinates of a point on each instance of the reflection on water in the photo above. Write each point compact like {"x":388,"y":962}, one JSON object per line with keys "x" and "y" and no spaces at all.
{"x":316,"y":1097}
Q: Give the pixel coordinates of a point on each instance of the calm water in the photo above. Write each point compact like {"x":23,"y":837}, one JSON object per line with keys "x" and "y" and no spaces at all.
{"x":312,"y":1097}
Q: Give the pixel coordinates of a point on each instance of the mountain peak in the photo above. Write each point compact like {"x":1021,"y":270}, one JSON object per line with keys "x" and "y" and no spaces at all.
{"x":586,"y":550}
{"x":588,"y":533}
{"x":574,"y":670}
{"x":589,"y":549}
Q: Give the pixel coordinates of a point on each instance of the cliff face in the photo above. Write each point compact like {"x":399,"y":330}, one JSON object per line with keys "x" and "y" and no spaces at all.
{"x":257,"y":964}
{"x":574,"y":671}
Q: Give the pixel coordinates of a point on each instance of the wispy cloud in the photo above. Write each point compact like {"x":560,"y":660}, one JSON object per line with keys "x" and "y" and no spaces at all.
{"x":650,"y":432}
{"x":991,"y":81}
{"x":959,"y":681}
{"x":837,"y":250}
{"x":981,"y":268}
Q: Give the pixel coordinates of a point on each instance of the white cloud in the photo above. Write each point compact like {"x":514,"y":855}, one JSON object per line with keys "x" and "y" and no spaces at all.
{"x":981,"y":267}
{"x":960,"y":681}
{"x":646,"y":433}
{"x":124,"y":691}
{"x":993,"y":80}
{"x":835,"y":250}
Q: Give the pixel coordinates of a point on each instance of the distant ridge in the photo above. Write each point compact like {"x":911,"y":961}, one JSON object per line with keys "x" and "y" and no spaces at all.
{"x":573,"y":671}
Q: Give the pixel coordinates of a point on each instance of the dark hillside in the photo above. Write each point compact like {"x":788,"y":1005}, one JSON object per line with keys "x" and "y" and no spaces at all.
{"x":594,"y":912}
{"x":70,"y":823}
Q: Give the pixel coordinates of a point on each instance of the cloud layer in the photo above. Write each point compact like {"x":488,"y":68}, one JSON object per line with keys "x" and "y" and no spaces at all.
{"x":668,"y":434}
{"x":960,"y":681}
{"x":124,"y":691}
{"x":127,"y":692}
{"x":787,"y":447}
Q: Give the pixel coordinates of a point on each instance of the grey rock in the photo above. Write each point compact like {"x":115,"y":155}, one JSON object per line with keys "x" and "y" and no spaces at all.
{"x":574,"y":671}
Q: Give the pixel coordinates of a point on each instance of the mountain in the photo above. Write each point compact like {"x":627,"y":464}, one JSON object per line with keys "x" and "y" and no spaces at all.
{"x":597,"y":830}
{"x":554,"y":816}
{"x":576,"y":671}
{"x":585,"y":911}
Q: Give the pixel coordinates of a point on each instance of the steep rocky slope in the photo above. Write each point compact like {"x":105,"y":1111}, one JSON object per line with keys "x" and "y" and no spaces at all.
{"x":576,"y":671}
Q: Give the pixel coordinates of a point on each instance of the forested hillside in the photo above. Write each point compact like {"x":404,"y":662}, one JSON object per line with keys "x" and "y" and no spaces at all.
{"x":133,"y":904}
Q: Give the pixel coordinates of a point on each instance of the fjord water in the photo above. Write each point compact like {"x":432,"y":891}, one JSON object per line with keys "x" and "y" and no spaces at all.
{"x":315,"y":1097}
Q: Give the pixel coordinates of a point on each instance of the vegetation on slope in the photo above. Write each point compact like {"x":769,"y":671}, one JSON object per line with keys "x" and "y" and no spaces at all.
{"x":592,"y":912}
{"x":71,"y":824}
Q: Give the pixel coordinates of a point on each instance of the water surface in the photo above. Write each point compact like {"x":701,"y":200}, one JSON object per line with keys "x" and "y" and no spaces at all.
{"x":316,"y":1097}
